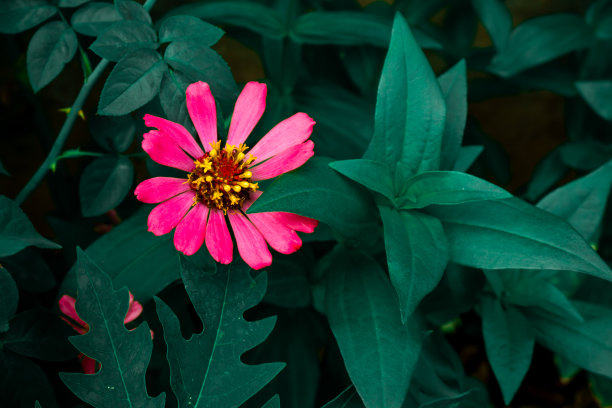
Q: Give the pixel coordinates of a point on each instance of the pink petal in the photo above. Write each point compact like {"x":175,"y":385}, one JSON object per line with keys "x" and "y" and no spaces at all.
{"x":66,"y":305}
{"x":176,"y":132}
{"x":288,"y":160}
{"x":134,"y":310}
{"x":249,"y":107}
{"x":167,"y":215}
{"x":280,"y":237}
{"x":288,"y":133}
{"x":218,"y":239}
{"x":164,"y":150}
{"x":89,"y":365}
{"x":203,"y":112}
{"x":253,"y":196}
{"x":191,"y":231}
{"x":158,"y":189}
{"x":251,"y":244}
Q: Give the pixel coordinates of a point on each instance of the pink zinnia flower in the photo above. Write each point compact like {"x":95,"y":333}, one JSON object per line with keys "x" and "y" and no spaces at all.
{"x":222,"y":182}
{"x":66,"y":305}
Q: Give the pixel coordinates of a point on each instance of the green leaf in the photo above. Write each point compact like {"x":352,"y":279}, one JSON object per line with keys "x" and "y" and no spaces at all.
{"x":346,"y":399}
{"x":104,"y":184}
{"x":113,"y":133}
{"x":374,"y":175}
{"x":134,"y":81}
{"x":545,"y":175}
{"x":200,"y":63}
{"x":189,"y":28}
{"x":588,"y":344}
{"x":316,"y":191}
{"x":378,"y":350}
{"x":52,"y":46}
{"x":466,"y":157}
{"x":20,"y":15}
{"x":274,"y":402}
{"x":597,"y":94}
{"x":133,"y":257}
{"x":417,"y":254}
{"x":602,"y":388}
{"x":172,"y":97}
{"x":30,"y":271}
{"x":288,"y":284}
{"x":71,"y":3}
{"x":206,"y":370}
{"x":341,"y":28}
{"x":41,"y":334}
{"x":123,"y":354}
{"x":16,"y":230}
{"x":10,"y":298}
{"x":453,"y":84}
{"x":410,"y":109}
{"x":582,"y":202}
{"x":22,"y":382}
{"x":93,"y":18}
{"x":540,"y":40}
{"x":599,"y":17}
{"x":246,"y":14}
{"x":510,"y":233}
{"x":3,"y":170}
{"x":496,"y":18}
{"x":131,"y":10}
{"x":509,"y":343}
{"x":447,"y":188}
{"x":124,"y":37}
{"x":586,"y":154}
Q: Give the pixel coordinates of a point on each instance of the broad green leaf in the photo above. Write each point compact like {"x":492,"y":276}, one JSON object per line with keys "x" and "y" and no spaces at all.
{"x":189,"y":28}
{"x":510,"y":233}
{"x":496,"y":18}
{"x":113,"y":133}
{"x":30,"y":271}
{"x":71,"y":3}
{"x":22,"y":382}
{"x":16,"y":230}
{"x":379,"y":352}
{"x":316,"y":191}
{"x":597,"y":94}
{"x":104,"y":184}
{"x":346,"y":399}
{"x":374,"y":175}
{"x":93,"y":18}
{"x":582,"y":202}
{"x":588,"y":344}
{"x":509,"y":343}
{"x":539,"y":40}
{"x":131,"y":10}
{"x":123,"y":354}
{"x":20,"y":15}
{"x":134,"y":81}
{"x":133,"y":257}
{"x":52,"y":46}
{"x":172,"y":97}
{"x":245,"y":14}
{"x":41,"y":334}
{"x":447,"y":188}
{"x":599,"y":17}
{"x":288,"y":284}
{"x":9,"y":300}
{"x":453,"y":84}
{"x":410,"y":109}
{"x":124,"y":37}
{"x":417,"y":254}
{"x":466,"y":156}
{"x":206,"y":370}
{"x":341,"y":28}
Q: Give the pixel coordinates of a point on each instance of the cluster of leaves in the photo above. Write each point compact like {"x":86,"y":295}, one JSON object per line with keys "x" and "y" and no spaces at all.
{"x":413,"y":242}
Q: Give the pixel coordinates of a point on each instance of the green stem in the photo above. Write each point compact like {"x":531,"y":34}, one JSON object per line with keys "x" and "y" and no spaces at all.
{"x":58,"y":145}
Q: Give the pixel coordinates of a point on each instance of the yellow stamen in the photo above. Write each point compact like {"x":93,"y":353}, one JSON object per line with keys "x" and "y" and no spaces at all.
{"x":246,"y":174}
{"x":236,"y":188}
{"x":243,"y":184}
{"x":227,"y":188}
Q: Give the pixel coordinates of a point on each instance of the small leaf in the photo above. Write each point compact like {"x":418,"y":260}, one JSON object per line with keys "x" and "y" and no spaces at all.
{"x":134,"y":81}
{"x":379,"y":352}
{"x":104,"y":184}
{"x":550,"y":170}
{"x":466,"y":157}
{"x":374,"y":175}
{"x":189,"y":28}
{"x":131,"y":10}
{"x":16,"y":230}
{"x":123,"y":354}
{"x":509,"y":343}
{"x":206,"y":370}
{"x":274,"y":402}
{"x":447,"y":188}
{"x":316,"y":191}
{"x":496,"y":18}
{"x":453,"y":84}
{"x":20,"y":15}
{"x":510,"y":233}
{"x":124,"y":37}
{"x":346,"y":399}
{"x":93,"y":18}
{"x":172,"y":97}
{"x":71,"y":3}
{"x":30,"y":271}
{"x":51,"y":47}
{"x":417,"y":253}
{"x":410,"y":109}
{"x":597,"y":94}
{"x":113,"y":133}
{"x":539,"y":40}
{"x":9,"y":300}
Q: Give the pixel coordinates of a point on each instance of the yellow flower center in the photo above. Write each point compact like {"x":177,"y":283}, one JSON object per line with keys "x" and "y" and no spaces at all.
{"x":221,"y":178}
